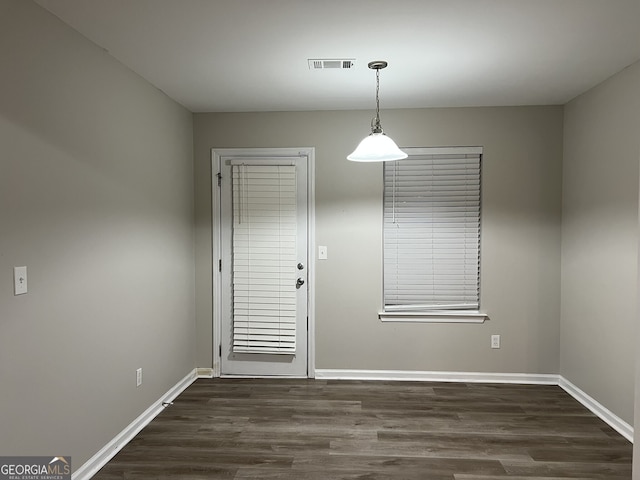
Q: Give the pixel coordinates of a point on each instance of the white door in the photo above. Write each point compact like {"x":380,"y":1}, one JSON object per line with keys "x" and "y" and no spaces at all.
{"x":264,"y":268}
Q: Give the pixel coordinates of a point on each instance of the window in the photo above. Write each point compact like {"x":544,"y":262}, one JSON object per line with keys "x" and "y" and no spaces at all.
{"x":432,"y":236}
{"x":264,"y":259}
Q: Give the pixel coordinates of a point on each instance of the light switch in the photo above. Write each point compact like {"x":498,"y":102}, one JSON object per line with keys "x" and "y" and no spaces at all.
{"x":20,"y":280}
{"x":322,"y":253}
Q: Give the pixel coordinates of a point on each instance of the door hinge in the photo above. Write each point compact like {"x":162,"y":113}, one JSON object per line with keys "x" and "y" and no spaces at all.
{"x":219,"y":175}
{"x":220,"y":350}
{"x":220,"y":265}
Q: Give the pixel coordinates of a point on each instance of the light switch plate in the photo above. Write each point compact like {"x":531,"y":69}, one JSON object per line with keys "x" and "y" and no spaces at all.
{"x":322,"y":253}
{"x":20,"y":280}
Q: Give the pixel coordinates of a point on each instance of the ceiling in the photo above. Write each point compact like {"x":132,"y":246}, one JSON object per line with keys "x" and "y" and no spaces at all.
{"x":252,"y":55}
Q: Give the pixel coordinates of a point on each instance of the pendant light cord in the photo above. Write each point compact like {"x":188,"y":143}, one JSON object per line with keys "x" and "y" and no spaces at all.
{"x":378,"y":95}
{"x":375,"y":124}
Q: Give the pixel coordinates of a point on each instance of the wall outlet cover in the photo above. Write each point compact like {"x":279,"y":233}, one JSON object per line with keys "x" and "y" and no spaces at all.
{"x":20,"y":280}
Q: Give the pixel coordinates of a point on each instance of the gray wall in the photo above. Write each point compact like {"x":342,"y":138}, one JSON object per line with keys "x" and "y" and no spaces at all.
{"x":96,"y":199}
{"x":520,"y":235}
{"x":600,"y":241}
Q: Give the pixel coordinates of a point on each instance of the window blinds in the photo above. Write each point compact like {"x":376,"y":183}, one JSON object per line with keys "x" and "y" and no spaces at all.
{"x":432,"y":232}
{"x":264,"y":259}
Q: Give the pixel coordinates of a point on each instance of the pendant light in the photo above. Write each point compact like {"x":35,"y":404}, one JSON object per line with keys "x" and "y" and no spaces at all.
{"x":377,"y":147}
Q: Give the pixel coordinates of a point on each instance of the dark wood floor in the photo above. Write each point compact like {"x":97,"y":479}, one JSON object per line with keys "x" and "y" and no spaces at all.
{"x":324,"y":430}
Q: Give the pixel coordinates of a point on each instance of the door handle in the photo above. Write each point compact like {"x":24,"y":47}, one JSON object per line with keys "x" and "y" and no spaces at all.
{"x":299,"y":282}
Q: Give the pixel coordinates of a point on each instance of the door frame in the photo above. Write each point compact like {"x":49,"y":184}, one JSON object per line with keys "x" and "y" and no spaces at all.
{"x":217,"y":154}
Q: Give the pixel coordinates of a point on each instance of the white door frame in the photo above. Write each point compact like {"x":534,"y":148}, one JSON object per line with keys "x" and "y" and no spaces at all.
{"x":216,"y":155}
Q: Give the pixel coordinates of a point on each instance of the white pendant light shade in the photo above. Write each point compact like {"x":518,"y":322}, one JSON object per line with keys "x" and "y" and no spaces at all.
{"x":377,"y":147}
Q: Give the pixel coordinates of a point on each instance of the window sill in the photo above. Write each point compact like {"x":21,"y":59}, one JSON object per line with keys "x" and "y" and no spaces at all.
{"x":434,"y":317}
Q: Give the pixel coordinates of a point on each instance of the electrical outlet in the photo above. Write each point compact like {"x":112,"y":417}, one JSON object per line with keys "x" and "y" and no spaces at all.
{"x":495,"y":341}
{"x":138,"y":377}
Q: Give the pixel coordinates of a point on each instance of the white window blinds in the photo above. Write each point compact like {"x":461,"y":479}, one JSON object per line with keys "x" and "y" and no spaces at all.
{"x":264,"y":259}
{"x":432,"y":231}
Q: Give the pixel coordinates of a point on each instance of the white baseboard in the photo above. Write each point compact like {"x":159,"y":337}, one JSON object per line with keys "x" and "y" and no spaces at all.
{"x":420,"y":376}
{"x":593,"y":405}
{"x":610,"y":418}
{"x":100,"y":459}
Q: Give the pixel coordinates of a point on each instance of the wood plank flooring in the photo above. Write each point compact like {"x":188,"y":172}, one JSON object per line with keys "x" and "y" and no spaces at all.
{"x":272,"y":429}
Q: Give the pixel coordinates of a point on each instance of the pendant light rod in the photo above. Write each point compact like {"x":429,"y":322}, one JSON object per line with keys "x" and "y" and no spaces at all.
{"x":377,"y":65}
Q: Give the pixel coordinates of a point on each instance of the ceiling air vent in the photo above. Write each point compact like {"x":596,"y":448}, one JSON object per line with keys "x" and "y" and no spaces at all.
{"x":331,"y":63}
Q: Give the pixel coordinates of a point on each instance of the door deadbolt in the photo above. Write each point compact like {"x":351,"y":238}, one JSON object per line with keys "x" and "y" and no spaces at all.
{"x":300,"y":266}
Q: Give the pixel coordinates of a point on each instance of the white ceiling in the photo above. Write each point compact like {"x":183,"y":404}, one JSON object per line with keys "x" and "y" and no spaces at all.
{"x":251,"y":55}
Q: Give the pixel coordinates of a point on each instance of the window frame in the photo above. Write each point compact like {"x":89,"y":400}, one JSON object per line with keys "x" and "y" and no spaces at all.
{"x":431,"y":314}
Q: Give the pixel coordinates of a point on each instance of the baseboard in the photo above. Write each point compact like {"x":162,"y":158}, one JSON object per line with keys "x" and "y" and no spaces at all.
{"x":593,"y":405}
{"x":100,"y":459}
{"x":610,"y":418}
{"x":420,"y":376}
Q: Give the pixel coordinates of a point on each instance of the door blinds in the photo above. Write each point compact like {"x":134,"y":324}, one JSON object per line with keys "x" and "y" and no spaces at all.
{"x":432,"y":232}
{"x":264,"y":259}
